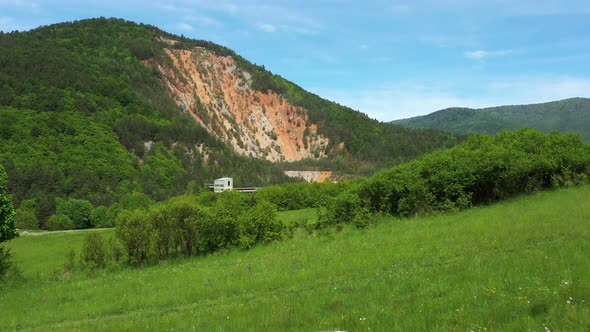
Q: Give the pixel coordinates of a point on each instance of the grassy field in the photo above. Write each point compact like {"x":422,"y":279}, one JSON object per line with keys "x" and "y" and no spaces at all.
{"x":519,"y":265}
{"x":302,"y":216}
{"x":40,"y":254}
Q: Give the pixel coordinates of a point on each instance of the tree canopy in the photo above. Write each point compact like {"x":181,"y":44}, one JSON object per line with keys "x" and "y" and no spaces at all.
{"x":7,"y":230}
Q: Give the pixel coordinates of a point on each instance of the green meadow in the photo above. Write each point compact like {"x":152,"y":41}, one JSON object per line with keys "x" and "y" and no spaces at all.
{"x":518,"y":265}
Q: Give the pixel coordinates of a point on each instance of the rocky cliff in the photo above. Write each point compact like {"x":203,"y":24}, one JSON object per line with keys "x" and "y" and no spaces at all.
{"x":219,"y":96}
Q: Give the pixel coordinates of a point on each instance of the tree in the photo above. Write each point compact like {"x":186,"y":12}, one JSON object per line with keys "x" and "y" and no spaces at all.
{"x":7,"y":230}
{"x":25,"y":215}
{"x":77,"y":210}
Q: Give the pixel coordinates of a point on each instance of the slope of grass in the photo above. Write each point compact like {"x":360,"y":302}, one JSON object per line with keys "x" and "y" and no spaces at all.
{"x":43,"y":253}
{"x":298,"y":216}
{"x":519,"y":265}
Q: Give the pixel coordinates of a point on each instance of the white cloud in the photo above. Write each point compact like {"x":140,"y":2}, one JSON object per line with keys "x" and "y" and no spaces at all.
{"x":184,"y":26}
{"x":267,"y":27}
{"x":481,"y":54}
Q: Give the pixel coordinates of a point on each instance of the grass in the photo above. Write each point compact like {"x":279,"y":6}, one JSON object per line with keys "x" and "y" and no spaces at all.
{"x":298,"y":216}
{"x":519,"y":265}
{"x":42,"y":253}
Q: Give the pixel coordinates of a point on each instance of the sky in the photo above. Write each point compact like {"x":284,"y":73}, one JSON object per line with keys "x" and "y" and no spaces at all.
{"x":389,"y":59}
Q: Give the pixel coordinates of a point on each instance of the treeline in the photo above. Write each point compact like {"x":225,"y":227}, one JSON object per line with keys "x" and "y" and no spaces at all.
{"x":184,"y":226}
{"x":482,"y":170}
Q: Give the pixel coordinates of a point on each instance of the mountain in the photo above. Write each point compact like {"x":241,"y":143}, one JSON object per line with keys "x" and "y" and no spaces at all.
{"x":102,"y":108}
{"x":569,"y":115}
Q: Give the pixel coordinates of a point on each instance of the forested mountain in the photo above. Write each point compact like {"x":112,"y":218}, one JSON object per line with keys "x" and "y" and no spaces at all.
{"x":103,"y":108}
{"x":569,"y":115}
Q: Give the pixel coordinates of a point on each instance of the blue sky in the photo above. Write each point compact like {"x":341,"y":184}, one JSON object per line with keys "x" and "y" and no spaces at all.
{"x":389,"y":59}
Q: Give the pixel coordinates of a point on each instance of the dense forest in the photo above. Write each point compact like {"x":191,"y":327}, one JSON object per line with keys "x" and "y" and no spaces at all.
{"x":569,"y":115}
{"x":82,"y":118}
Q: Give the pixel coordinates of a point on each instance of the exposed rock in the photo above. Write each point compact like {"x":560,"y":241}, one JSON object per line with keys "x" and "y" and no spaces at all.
{"x":310,"y":176}
{"x":219,"y":96}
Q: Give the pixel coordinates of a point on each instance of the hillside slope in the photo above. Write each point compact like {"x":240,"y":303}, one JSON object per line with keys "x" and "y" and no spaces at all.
{"x":569,"y":115}
{"x":517,"y":266}
{"x":100,"y":108}
{"x":264,"y":115}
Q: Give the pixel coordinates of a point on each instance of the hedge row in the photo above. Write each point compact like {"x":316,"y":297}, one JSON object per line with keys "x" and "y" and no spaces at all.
{"x":184,"y":227}
{"x":482,"y":170}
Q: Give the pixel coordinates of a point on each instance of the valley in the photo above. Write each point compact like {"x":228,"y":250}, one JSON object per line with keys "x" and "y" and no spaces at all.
{"x":162,"y":182}
{"x":517,"y":265}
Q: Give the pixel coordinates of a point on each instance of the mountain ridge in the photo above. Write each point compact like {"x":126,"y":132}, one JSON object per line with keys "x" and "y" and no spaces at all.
{"x":567,"y":115}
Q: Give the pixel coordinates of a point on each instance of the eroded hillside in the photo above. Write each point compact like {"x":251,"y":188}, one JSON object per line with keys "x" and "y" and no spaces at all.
{"x":219,"y":96}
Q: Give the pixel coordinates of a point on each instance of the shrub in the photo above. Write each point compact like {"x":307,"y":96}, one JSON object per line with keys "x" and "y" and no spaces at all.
{"x":180,"y":226}
{"x":259,"y":224}
{"x":94,"y":251}
{"x":77,"y":210}
{"x":26,"y":219}
{"x":138,"y":236}
{"x":481,"y":170}
{"x":5,"y":263}
{"x":59,"y":222}
{"x":100,"y":217}
{"x":347,"y":208}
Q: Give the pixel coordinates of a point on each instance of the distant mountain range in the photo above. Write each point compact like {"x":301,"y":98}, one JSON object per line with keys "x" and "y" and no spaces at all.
{"x":569,"y":115}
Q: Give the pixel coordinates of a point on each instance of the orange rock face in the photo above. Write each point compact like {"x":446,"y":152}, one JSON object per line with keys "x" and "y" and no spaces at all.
{"x":219,"y":96}
{"x":311,"y":176}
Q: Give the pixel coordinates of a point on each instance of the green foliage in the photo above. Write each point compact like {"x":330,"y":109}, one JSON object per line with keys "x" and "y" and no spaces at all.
{"x":94,"y":252}
{"x":25,"y":217}
{"x":100,"y":217}
{"x":569,"y":115}
{"x":346,"y":208}
{"x":183,"y":227}
{"x":481,"y":170}
{"x":295,"y":196}
{"x":135,"y":201}
{"x":511,"y":266}
{"x":259,"y":224}
{"x":5,"y":261}
{"x":7,"y":230}
{"x":77,"y":210}
{"x":79,"y":112}
{"x":59,"y":222}
{"x":138,"y":236}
